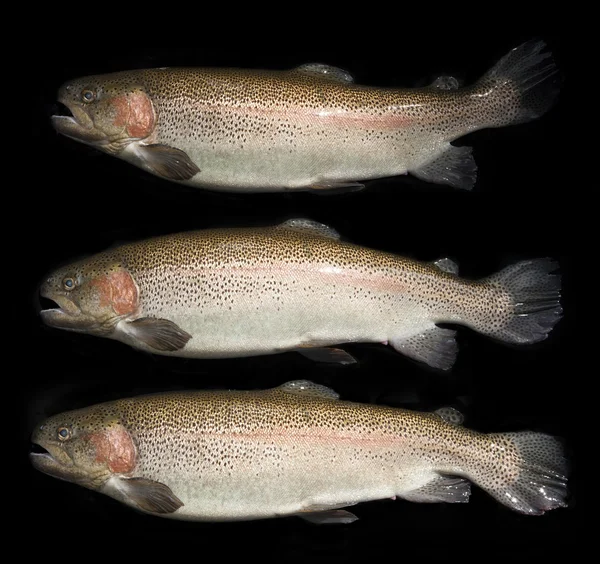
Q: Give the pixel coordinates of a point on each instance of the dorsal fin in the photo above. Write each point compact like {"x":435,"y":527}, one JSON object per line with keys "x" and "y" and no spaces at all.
{"x":308,"y":226}
{"x":445,"y":83}
{"x":447,"y":265}
{"x":308,"y":389}
{"x":326,"y":71}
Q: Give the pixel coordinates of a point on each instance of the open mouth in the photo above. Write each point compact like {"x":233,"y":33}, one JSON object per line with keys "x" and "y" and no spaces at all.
{"x":61,"y":110}
{"x":52,"y":307}
{"x":58,"y":311}
{"x":46,"y":304}
{"x":63,"y":118}
{"x":38,"y":450}
{"x":51,"y":301}
{"x":42,"y":459}
{"x":45,"y":462}
{"x":73,"y":121}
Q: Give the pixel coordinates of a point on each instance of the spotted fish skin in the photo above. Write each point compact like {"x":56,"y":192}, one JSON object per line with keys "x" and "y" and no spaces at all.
{"x":308,"y":128}
{"x":294,"y":450}
{"x":242,"y":292}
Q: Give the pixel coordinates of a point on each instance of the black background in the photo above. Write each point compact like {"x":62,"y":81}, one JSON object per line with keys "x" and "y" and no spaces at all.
{"x":83,"y":201}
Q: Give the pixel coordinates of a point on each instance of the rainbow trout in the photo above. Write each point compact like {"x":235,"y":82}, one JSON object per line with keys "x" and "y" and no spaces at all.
{"x":293,"y":450}
{"x":296,"y":286}
{"x":310,"y":128}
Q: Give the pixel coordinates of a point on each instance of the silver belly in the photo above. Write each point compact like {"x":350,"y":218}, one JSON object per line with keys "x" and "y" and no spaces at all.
{"x":271,"y":154}
{"x":254,"y":315}
{"x":264,"y":478}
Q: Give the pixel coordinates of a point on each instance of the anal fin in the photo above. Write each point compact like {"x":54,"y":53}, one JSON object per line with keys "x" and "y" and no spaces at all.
{"x":443,"y":489}
{"x":334,"y":188}
{"x":331,"y":517}
{"x":435,"y":346}
{"x":455,"y":166}
{"x":327,"y":354}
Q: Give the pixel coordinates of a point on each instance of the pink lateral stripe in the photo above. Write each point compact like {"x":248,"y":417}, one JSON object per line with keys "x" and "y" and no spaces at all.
{"x":336,"y":117}
{"x":318,"y":274}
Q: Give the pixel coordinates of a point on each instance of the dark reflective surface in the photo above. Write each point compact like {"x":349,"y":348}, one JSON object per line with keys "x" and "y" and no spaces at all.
{"x":83,"y":202}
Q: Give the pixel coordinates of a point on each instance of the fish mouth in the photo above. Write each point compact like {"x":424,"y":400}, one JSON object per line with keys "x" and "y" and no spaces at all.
{"x":63,"y":111}
{"x":74,"y":122}
{"x":39,"y":455}
{"x":63,"y":316}
{"x":65,"y":305}
{"x":44,"y":461}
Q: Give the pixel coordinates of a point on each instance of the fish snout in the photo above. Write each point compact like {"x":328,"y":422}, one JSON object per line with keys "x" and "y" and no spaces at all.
{"x":72,"y":118}
{"x":55,"y":308}
{"x":42,"y":453}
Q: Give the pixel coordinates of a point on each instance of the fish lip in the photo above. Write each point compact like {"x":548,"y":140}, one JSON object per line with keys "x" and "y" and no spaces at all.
{"x":47,"y":463}
{"x":78,"y":115}
{"x":52,"y":317}
{"x":79,"y":126}
{"x":64,"y":316}
{"x":65,"y":305}
{"x":40,"y":455}
{"x":61,"y":319}
{"x":68,"y":118}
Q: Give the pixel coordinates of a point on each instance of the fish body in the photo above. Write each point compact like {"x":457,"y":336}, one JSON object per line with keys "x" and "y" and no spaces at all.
{"x":292,"y":450}
{"x":307,"y":128}
{"x":296,"y":286}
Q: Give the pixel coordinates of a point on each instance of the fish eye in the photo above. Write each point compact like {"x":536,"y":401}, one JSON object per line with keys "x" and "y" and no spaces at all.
{"x":88,"y":96}
{"x":68,"y":283}
{"x":64,"y":433}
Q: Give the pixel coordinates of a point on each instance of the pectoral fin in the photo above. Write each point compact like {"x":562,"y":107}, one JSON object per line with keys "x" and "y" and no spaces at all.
{"x":149,"y":495}
{"x":160,"y":334}
{"x":167,"y":162}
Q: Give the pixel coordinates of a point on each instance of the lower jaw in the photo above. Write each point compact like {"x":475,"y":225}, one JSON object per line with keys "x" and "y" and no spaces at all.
{"x":70,"y":127}
{"x":60,"y":319}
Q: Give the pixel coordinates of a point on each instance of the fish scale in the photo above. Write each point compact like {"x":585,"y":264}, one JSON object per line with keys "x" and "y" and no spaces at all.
{"x":296,"y":450}
{"x":254,"y":287}
{"x":243,"y":292}
{"x":291,"y":125}
{"x":309,"y":128}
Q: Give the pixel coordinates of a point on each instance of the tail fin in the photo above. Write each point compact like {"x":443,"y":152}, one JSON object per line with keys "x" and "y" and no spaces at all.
{"x":534,"y":295}
{"x":533,"y":479}
{"x":522,"y":86}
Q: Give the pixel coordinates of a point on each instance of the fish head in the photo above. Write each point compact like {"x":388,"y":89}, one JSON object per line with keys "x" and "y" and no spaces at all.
{"x":86,"y":446}
{"x":92,"y":295}
{"x":107,"y":111}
